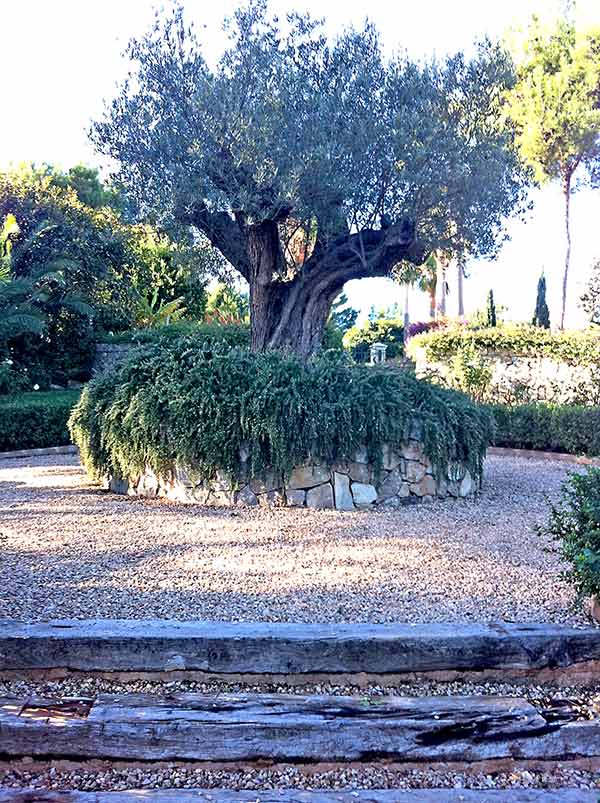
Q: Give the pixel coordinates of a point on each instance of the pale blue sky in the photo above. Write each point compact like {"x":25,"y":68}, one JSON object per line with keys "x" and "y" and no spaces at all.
{"x":59,"y":60}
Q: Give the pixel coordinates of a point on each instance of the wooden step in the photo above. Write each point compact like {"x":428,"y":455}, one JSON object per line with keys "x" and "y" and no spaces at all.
{"x":287,"y":648}
{"x":296,"y":796}
{"x":287,"y":727}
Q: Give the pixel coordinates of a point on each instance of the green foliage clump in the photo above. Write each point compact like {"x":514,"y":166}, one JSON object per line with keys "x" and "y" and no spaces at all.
{"x":578,"y":348}
{"x":199,"y":405}
{"x":231,"y":334}
{"x":226,"y":304}
{"x":470,"y":373}
{"x":572,"y":429}
{"x":358,"y":339}
{"x":35,"y":420}
{"x":575,"y":524}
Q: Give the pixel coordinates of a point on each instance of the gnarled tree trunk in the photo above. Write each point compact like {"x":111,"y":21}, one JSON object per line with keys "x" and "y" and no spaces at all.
{"x":289,"y":308}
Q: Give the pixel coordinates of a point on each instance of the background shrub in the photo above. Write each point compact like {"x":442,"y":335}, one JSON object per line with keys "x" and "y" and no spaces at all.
{"x":548,"y":427}
{"x":575,"y":524}
{"x":358,"y":339}
{"x":198,"y":405}
{"x":231,"y":334}
{"x":35,"y":420}
{"x":581,"y":348}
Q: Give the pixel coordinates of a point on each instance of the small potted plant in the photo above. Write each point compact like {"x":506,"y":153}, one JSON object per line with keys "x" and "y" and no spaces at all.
{"x":575,"y":524}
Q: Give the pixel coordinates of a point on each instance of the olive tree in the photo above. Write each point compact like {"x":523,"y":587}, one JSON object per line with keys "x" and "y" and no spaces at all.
{"x":310,"y":162}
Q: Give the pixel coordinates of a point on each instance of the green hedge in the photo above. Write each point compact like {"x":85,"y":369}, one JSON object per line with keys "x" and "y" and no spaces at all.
{"x":232,"y":334}
{"x":548,"y":427}
{"x":199,"y":405}
{"x":581,"y":348}
{"x":36,"y":420}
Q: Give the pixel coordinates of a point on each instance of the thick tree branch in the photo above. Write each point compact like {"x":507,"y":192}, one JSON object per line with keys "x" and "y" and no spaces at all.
{"x":222,"y":230}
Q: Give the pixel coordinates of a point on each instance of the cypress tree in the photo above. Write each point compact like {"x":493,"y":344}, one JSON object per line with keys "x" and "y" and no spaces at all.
{"x":491,"y":310}
{"x":541,"y":316}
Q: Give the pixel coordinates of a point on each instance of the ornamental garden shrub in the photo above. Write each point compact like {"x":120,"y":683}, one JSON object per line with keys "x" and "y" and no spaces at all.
{"x":199,"y":405}
{"x":35,"y":420}
{"x":359,"y":339}
{"x":575,"y":524}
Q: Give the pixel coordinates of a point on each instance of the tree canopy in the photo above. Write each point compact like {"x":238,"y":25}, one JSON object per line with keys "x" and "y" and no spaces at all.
{"x":310,"y":162}
{"x":555,"y":106}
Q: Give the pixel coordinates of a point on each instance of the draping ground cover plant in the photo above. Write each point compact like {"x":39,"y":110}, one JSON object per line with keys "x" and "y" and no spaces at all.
{"x":215,"y":410}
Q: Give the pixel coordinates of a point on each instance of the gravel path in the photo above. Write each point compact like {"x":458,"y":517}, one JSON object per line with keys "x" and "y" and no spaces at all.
{"x":69,"y":550}
{"x":103,"y":776}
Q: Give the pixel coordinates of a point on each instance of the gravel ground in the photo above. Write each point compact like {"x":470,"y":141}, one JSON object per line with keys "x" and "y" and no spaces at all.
{"x":367,"y":776}
{"x":68,"y":549}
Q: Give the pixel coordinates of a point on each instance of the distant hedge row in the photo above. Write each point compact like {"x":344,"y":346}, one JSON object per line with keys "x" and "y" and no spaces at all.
{"x":547,"y":427}
{"x":581,"y":348}
{"x":36,"y":420}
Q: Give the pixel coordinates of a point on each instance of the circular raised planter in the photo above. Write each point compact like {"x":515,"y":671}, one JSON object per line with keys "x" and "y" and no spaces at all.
{"x":406,"y":476}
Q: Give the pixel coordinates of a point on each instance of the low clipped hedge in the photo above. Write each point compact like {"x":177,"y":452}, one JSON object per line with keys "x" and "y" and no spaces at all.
{"x":548,"y":427}
{"x":199,"y":406}
{"x":580,"y":348}
{"x":36,"y":420}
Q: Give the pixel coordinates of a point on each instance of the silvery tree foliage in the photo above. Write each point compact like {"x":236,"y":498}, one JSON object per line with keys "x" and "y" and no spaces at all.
{"x":310,"y":162}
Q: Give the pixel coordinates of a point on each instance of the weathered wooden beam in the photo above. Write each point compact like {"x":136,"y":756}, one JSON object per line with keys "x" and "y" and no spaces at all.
{"x":246,"y":727}
{"x":287,"y":648}
{"x":301,"y":796}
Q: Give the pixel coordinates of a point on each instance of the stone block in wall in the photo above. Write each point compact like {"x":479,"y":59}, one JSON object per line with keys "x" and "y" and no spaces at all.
{"x":364,"y":494}
{"x":341,"y":492}
{"x":273,"y":498}
{"x":246,"y":497}
{"x":427,"y":486}
{"x":390,"y":486}
{"x":320,"y":497}
{"x":308,"y":476}
{"x":391,"y":458}
{"x":295,"y":498}
{"x":414,"y":471}
{"x":270,"y":482}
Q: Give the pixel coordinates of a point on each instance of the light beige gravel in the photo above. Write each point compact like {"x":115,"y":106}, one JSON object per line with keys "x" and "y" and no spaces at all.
{"x":70,"y":550}
{"x":104,"y":776}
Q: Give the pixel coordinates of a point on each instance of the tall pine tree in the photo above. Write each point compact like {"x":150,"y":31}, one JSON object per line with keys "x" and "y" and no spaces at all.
{"x":541,"y":316}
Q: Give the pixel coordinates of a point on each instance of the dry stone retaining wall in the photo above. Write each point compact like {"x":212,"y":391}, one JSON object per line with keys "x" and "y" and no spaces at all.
{"x":108,"y":355}
{"x":522,"y":378}
{"x":406,"y":477}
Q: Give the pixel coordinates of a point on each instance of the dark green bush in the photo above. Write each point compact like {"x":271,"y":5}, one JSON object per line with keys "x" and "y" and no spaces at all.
{"x":232,"y":334}
{"x":575,"y":524}
{"x":548,"y":427}
{"x":35,"y":420}
{"x":187,"y":402}
{"x":359,"y":339}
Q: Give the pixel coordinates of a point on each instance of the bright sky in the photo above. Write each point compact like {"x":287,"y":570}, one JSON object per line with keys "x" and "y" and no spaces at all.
{"x":60,"y":60}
